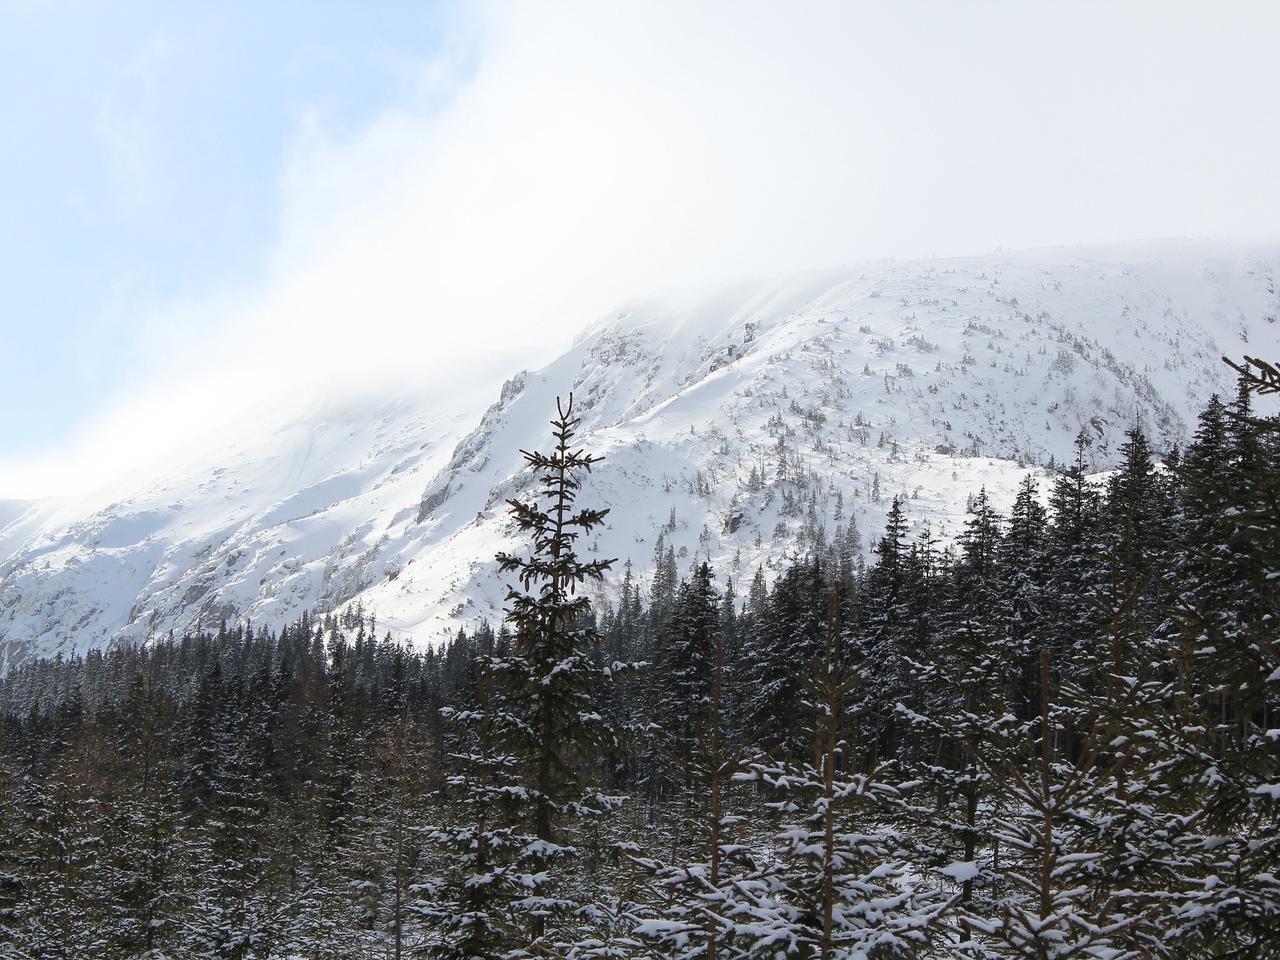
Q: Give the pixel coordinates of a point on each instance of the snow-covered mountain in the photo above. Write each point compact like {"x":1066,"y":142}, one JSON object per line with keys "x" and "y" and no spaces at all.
{"x":734,"y":428}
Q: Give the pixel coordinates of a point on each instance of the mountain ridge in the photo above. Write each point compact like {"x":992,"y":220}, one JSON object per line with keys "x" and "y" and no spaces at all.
{"x":736,"y":426}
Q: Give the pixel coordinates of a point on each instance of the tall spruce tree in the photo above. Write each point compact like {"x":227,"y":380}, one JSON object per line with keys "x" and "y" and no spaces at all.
{"x":11,"y":818}
{"x":549,"y":688}
{"x":879,"y":634}
{"x":784,"y":641}
{"x":1074,"y":541}
{"x":1023,"y":594}
{"x":964,"y":683}
{"x":687,"y":663}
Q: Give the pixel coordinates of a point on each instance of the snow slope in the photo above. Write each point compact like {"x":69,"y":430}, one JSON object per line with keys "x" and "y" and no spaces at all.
{"x":266,"y":527}
{"x":926,"y":379}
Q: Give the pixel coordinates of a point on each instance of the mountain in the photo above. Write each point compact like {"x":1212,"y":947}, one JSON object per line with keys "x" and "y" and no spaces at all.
{"x":737,"y":428}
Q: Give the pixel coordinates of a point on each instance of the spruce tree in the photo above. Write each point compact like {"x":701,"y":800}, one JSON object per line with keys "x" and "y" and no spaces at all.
{"x":967,"y":685}
{"x":229,"y":853}
{"x":1223,"y":774}
{"x":399,"y":783}
{"x":1023,"y":601}
{"x":687,"y":664}
{"x":1057,"y":898}
{"x":548,"y":704}
{"x":1074,"y":542}
{"x":146,"y":827}
{"x":843,"y":888}
{"x":11,"y":878}
{"x":879,"y":632}
{"x":492,"y":863}
{"x":711,"y":905}
{"x":64,"y":910}
{"x":784,"y":640}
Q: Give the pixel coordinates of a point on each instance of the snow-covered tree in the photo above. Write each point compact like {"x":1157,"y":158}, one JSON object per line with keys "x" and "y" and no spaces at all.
{"x":713,"y":904}
{"x":548,"y":689}
{"x":844,"y":888}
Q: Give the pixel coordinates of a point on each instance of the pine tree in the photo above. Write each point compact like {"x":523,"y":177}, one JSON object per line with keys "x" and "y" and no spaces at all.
{"x":145,"y":826}
{"x":1205,"y":523}
{"x":1223,"y":765}
{"x":1138,"y":532}
{"x":11,"y":878}
{"x":65,"y":901}
{"x":549,"y":687}
{"x":1057,"y":899}
{"x":843,"y":889}
{"x":663,"y":591}
{"x":493,"y":863}
{"x":712,"y":905}
{"x":1074,"y":543}
{"x":730,"y":639}
{"x":687,"y":663}
{"x":1065,"y":723}
{"x":784,"y":639}
{"x":404,"y":766}
{"x":879,"y":634}
{"x":1023,"y":601}
{"x":229,"y":853}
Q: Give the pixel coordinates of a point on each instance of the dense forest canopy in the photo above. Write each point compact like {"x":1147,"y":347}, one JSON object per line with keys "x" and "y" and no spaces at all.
{"x":1058,"y":737}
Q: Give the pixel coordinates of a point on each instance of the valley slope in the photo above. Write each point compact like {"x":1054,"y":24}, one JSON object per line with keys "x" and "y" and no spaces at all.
{"x":739,"y":428}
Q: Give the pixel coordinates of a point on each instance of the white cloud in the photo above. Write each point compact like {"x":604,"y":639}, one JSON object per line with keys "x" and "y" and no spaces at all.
{"x":567,"y":156}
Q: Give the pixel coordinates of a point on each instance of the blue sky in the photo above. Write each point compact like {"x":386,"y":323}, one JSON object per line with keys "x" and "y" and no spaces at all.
{"x":143,"y":148}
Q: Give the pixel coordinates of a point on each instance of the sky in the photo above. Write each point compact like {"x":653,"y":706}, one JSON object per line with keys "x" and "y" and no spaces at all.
{"x":147,"y":143}
{"x":213,"y":212}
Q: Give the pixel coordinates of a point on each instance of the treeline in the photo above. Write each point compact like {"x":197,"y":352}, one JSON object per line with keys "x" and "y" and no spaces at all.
{"x":1058,"y":737}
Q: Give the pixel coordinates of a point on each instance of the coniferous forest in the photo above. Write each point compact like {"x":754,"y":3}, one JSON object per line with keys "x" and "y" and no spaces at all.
{"x":1058,"y":737}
